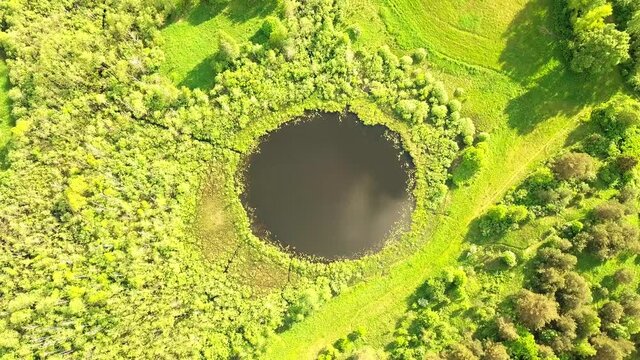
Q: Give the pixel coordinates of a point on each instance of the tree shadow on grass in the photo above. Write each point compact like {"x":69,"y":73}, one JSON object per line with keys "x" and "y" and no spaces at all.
{"x":242,"y":10}
{"x":534,"y":38}
{"x":535,"y":56}
{"x":237,"y":11}
{"x":202,"y":76}
{"x":560,"y":92}
{"x":205,"y":10}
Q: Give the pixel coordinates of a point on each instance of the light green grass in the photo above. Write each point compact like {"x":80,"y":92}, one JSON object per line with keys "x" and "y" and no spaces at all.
{"x":5,"y":110}
{"x":191,"y":42}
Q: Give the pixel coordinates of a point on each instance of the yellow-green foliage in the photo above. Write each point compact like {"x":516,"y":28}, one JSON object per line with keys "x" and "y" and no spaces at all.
{"x":5,"y":119}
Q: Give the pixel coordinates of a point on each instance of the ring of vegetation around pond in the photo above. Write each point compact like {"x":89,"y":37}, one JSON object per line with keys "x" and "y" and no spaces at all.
{"x":328,"y":186}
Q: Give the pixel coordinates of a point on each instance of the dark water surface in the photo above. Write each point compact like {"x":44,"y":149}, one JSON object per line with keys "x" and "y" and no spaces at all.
{"x":327,"y":186}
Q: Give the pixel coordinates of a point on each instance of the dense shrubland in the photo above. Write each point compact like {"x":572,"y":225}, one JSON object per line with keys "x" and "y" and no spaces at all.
{"x":605,"y":33}
{"x":108,"y":159}
{"x":550,"y":300}
{"x":597,"y":44}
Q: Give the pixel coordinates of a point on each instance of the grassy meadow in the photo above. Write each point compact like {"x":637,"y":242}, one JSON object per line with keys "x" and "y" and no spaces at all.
{"x":509,"y":58}
{"x":518,"y":89}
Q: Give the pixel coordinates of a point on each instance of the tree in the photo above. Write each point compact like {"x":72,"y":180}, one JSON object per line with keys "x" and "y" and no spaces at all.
{"x":495,"y":351}
{"x":616,"y":116}
{"x":587,"y":321}
{"x":535,"y":310}
{"x":575,"y":291}
{"x":506,"y":329}
{"x":609,"y":239}
{"x":460,"y":352}
{"x":611,"y":312}
{"x":575,"y":166}
{"x":609,"y":349}
{"x":608,"y":211}
{"x":599,"y":50}
{"x":623,"y":276}
{"x":554,"y":258}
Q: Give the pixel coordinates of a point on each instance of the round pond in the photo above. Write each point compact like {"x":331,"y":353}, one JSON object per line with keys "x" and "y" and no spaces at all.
{"x":328,"y":186}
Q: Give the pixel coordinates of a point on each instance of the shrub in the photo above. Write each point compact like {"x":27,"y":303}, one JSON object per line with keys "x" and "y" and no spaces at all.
{"x":354,"y":32}
{"x":439,"y":111}
{"x":472,"y":160}
{"x":571,"y":229}
{"x":467,"y":130}
{"x":500,"y":218}
{"x":419,"y":55}
{"x":228,"y":49}
{"x":535,"y":310}
{"x":275,"y":31}
{"x":623,"y":276}
{"x":509,"y":258}
{"x":575,"y":166}
{"x":524,"y":347}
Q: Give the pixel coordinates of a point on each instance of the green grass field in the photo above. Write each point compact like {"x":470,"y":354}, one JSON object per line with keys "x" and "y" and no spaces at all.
{"x":508,"y":57}
{"x":5,"y":119}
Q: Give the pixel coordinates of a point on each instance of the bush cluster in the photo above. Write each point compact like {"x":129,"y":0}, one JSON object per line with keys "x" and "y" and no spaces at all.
{"x":597,"y":44}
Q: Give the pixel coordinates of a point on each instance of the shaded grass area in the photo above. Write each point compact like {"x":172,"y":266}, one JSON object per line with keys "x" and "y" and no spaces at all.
{"x":5,"y":110}
{"x":191,"y":42}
